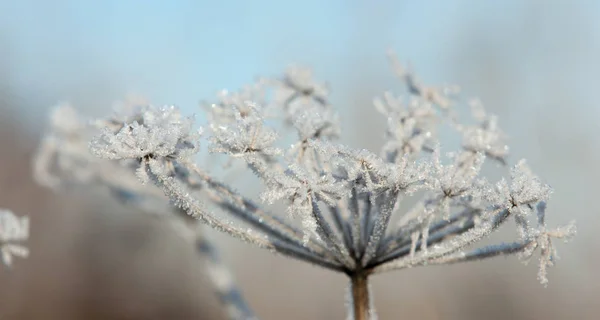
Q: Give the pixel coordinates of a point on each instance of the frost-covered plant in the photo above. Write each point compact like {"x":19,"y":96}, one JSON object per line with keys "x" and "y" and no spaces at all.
{"x":64,"y":162}
{"x":347,"y":210}
{"x":13,"y":231}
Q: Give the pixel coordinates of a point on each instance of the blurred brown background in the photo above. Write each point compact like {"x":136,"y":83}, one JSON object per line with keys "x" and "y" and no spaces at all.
{"x":534,"y":63}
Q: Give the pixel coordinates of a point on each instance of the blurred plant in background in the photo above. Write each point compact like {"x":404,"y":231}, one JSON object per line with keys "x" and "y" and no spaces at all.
{"x":348,"y":210}
{"x":13,"y":231}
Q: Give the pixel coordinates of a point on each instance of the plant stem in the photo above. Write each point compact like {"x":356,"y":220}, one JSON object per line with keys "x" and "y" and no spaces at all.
{"x":360,"y":296}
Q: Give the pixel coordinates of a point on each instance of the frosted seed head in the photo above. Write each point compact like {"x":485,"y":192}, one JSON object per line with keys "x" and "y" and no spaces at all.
{"x":352,"y":181}
{"x":486,"y":136}
{"x":315,"y":123}
{"x":526,"y":187}
{"x":246,"y":135}
{"x":161,"y":132}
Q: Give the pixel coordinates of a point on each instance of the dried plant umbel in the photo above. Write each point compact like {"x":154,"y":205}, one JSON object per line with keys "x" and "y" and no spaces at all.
{"x":344,"y":206}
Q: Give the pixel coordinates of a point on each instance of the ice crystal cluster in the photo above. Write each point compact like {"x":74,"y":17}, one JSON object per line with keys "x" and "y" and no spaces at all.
{"x":359,"y":212}
{"x":13,"y":231}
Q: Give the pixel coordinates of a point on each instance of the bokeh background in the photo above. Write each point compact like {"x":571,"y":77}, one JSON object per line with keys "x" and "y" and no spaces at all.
{"x":534,"y":63}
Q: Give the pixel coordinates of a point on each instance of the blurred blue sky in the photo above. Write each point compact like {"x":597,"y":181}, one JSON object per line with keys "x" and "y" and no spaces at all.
{"x":179,"y":52}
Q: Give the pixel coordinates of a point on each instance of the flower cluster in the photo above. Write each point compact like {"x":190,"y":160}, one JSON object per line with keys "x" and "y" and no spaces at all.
{"x":345,"y":206}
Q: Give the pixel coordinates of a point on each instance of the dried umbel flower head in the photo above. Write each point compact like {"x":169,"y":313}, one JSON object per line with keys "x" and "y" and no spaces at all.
{"x":345,"y":206}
